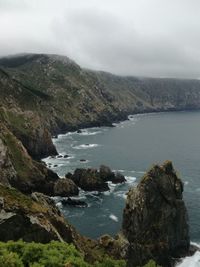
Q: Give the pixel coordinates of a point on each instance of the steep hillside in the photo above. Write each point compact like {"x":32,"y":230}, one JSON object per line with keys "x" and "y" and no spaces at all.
{"x":42,"y":95}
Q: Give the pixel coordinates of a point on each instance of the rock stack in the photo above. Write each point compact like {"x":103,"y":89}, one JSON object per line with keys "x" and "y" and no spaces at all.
{"x":155,"y":220}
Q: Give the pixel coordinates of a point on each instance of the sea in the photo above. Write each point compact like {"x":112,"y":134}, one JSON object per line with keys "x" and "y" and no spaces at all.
{"x":131,"y":148}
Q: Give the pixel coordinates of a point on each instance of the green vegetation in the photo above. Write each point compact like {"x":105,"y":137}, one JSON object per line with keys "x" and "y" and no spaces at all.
{"x":20,"y":159}
{"x":151,"y":263}
{"x":54,"y":254}
{"x":15,"y":198}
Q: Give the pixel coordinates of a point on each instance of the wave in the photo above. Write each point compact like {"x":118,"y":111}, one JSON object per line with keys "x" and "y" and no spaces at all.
{"x":77,"y":214}
{"x":121,"y":194}
{"x":113,"y":217}
{"x":88,"y":133}
{"x":191,"y":261}
{"x":85,"y":146}
{"x":130,"y":179}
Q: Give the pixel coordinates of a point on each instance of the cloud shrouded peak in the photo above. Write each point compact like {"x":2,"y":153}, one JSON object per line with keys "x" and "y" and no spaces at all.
{"x":129,"y":37}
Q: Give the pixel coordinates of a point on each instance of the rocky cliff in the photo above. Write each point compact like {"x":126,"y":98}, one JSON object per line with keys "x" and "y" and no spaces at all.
{"x":42,"y":95}
{"x":19,"y":170}
{"x":155,"y":220}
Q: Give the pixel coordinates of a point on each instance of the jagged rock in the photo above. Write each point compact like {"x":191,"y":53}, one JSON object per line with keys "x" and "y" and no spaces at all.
{"x":74,"y":202}
{"x":33,"y":218}
{"x":94,"y":180}
{"x":89,"y":180}
{"x":118,"y":178}
{"x":155,"y":220}
{"x":105,"y":173}
{"x":65,"y":188}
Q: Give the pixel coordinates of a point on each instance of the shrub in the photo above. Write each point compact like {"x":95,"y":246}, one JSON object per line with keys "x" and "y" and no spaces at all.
{"x":53,"y":254}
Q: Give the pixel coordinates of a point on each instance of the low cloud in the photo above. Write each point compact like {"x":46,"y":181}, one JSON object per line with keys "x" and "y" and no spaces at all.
{"x":129,"y":37}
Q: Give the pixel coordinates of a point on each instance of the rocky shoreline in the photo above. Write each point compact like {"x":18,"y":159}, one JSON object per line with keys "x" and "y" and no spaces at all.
{"x":155,"y":221}
{"x":42,"y":96}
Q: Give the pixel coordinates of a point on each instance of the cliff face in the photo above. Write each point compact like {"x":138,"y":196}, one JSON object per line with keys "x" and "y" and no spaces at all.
{"x":41,"y":95}
{"x":19,"y":170}
{"x":34,"y":218}
{"x":155,"y":220}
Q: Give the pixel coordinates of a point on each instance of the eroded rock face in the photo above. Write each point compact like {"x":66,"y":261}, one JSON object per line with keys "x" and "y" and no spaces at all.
{"x":33,"y":218}
{"x":7,"y":171}
{"x":155,"y":219}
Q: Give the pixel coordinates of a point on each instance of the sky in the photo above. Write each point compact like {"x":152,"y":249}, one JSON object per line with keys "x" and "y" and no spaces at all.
{"x":154,"y":38}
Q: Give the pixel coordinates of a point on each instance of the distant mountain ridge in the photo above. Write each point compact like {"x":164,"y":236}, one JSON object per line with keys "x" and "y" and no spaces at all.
{"x":42,"y":95}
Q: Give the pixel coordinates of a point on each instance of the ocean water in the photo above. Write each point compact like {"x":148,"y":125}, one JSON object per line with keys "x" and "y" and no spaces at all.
{"x":131,"y":147}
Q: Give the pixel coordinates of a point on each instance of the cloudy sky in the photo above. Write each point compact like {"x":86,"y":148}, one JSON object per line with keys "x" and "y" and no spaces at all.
{"x":159,"y":38}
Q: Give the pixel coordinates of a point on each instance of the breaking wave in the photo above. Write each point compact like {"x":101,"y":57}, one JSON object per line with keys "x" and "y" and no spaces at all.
{"x":85,"y":146}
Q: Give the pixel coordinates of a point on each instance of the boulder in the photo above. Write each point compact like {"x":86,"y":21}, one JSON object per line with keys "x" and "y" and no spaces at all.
{"x":74,"y":202}
{"x":155,"y":220}
{"x":118,"y":178}
{"x":105,"y":173}
{"x":89,"y":180}
{"x":65,"y":188}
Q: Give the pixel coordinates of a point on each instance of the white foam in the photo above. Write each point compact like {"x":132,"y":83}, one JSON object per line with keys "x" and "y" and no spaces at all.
{"x":85,"y":146}
{"x":113,"y":217}
{"x":193,"y":261}
{"x":121,"y":194}
{"x":78,"y":214}
{"x":107,"y":193}
{"x":130,"y":179}
{"x":59,"y":204}
{"x":87,"y":133}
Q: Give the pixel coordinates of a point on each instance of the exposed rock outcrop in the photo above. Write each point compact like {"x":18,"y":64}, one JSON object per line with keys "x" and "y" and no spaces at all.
{"x":95,"y":180}
{"x":155,"y":220}
{"x":74,"y":202}
{"x":65,"y":188}
{"x":19,"y":170}
{"x":106,"y":174}
{"x":33,"y":218}
{"x":89,"y":180}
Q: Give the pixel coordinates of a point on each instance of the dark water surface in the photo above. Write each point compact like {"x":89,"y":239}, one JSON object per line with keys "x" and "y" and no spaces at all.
{"x":132,"y":147}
